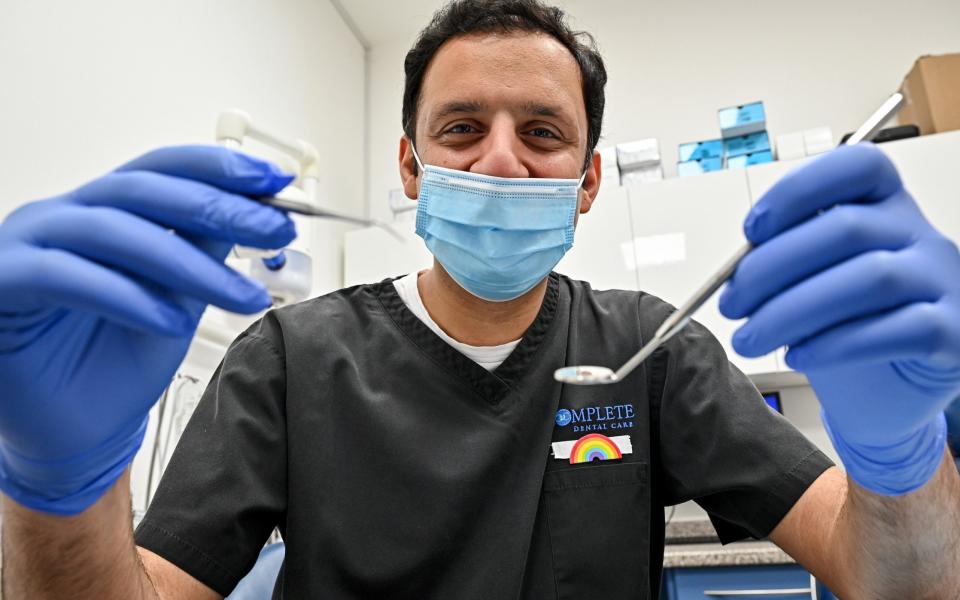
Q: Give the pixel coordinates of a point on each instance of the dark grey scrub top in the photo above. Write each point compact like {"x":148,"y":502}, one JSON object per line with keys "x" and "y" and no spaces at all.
{"x":395,"y":467}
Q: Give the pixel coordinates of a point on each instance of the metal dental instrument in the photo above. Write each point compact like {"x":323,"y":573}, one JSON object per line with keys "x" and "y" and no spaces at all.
{"x":234,"y":125}
{"x":593,"y":375}
{"x":872,"y":126}
{"x":303,"y":208}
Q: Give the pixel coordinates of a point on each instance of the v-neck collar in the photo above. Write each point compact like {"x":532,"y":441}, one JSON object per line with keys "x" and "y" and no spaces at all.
{"x":492,"y":386}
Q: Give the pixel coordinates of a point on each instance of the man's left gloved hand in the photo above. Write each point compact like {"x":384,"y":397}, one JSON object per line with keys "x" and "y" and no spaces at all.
{"x":849,"y":274}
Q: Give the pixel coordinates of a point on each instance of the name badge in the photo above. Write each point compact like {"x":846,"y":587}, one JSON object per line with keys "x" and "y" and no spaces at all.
{"x":591,"y":447}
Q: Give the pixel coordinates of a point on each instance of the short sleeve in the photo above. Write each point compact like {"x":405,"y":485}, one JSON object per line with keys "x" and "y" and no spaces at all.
{"x":225,"y":487}
{"x":722,"y":446}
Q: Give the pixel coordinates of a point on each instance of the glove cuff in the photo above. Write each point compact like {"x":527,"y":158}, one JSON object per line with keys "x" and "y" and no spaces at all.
{"x":69,"y":486}
{"x":893,"y":470}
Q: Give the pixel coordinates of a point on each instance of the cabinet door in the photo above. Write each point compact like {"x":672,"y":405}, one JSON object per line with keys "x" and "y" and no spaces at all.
{"x":780,"y":582}
{"x":602,"y":252}
{"x":928,"y":166}
{"x":684,"y":230}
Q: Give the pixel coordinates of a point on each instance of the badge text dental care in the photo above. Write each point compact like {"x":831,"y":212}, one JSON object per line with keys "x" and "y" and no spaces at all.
{"x":597,"y":418}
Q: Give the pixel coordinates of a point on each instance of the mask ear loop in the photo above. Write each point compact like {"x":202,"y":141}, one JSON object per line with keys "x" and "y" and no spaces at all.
{"x":416,"y":157}
{"x":579,"y":196}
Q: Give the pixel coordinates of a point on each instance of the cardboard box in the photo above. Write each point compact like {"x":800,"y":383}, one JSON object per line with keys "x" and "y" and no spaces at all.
{"x":746,"y":144}
{"x":742,"y":120}
{"x":932,"y":91}
{"x":698,"y":150}
{"x":696,"y":167}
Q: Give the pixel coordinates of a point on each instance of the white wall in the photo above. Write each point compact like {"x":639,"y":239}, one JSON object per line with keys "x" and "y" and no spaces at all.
{"x":89,"y":85}
{"x":384,"y":99}
{"x":672,"y":64}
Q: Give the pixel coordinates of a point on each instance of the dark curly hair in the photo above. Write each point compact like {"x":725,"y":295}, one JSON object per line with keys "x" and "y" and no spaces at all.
{"x":462,"y":17}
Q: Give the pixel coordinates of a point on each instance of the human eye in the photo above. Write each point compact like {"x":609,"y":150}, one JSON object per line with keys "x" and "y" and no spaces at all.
{"x":543,"y":132}
{"x":460,"y":128}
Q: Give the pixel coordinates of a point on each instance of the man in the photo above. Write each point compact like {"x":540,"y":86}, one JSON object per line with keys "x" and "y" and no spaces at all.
{"x":404,"y":435}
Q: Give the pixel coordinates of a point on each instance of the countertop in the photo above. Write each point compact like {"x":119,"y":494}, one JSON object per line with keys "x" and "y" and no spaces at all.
{"x":714,"y":555}
{"x":695,"y":544}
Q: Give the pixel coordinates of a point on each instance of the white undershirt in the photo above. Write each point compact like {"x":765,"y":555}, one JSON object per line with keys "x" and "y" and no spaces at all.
{"x":488,"y":357}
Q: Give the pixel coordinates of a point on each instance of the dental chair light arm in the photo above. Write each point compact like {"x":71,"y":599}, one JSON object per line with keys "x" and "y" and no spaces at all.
{"x":234,"y":125}
{"x":286,"y":284}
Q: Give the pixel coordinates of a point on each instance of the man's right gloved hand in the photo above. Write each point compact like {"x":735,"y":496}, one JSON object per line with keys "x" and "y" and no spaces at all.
{"x":101,"y":290}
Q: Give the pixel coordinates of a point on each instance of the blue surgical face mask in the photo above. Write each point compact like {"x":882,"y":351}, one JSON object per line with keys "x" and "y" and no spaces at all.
{"x":497,"y":237}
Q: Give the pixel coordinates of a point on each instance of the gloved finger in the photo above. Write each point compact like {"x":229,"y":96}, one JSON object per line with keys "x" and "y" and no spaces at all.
{"x":866,"y":284}
{"x":859,"y":173}
{"x":189,"y":206}
{"x":215,"y":249}
{"x":15,"y":328}
{"x":221,"y":167}
{"x":814,"y":246}
{"x":920,"y":331}
{"x":52,"y":278}
{"x":118,"y":239}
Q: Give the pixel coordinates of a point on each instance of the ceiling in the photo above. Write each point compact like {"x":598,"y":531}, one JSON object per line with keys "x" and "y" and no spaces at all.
{"x":382,"y":21}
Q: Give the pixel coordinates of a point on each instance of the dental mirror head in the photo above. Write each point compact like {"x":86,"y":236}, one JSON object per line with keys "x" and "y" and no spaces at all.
{"x":585,"y":375}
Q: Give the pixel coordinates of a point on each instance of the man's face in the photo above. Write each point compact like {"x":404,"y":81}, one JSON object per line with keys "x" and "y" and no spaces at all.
{"x":508,"y":105}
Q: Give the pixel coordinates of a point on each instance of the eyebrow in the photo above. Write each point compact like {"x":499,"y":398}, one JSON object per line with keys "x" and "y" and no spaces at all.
{"x":473,"y":106}
{"x":458,"y":107}
{"x":543,"y":110}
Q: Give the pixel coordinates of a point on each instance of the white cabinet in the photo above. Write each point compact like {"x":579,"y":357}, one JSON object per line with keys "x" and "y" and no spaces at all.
{"x":928,"y":166}
{"x":761,"y":178}
{"x":602,"y":252}
{"x":684,"y":230}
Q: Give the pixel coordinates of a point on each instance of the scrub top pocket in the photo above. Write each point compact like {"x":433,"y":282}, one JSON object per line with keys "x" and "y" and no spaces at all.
{"x":599,"y":523}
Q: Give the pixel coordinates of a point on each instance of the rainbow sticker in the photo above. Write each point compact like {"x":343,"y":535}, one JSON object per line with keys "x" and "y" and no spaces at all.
{"x":594,"y":446}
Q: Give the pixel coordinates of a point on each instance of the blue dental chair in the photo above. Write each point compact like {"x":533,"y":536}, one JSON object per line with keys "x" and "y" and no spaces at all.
{"x":258,"y":584}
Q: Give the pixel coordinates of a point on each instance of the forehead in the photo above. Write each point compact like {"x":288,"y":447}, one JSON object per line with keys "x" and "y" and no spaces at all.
{"x":497,"y":69}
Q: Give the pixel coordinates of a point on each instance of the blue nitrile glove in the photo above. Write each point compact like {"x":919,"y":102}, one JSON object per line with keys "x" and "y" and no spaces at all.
{"x":849,"y":274}
{"x":101,"y":290}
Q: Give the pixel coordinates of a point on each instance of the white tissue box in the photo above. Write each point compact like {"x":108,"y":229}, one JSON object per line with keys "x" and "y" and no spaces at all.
{"x":790,"y":146}
{"x":644,"y":174}
{"x":818,"y":140}
{"x":639,"y":153}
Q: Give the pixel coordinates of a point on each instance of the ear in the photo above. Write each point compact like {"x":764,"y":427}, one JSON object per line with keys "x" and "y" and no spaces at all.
{"x":408,"y":171}
{"x":591,"y":184}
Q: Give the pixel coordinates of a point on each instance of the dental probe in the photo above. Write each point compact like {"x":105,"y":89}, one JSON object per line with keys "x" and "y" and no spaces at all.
{"x":302,"y":208}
